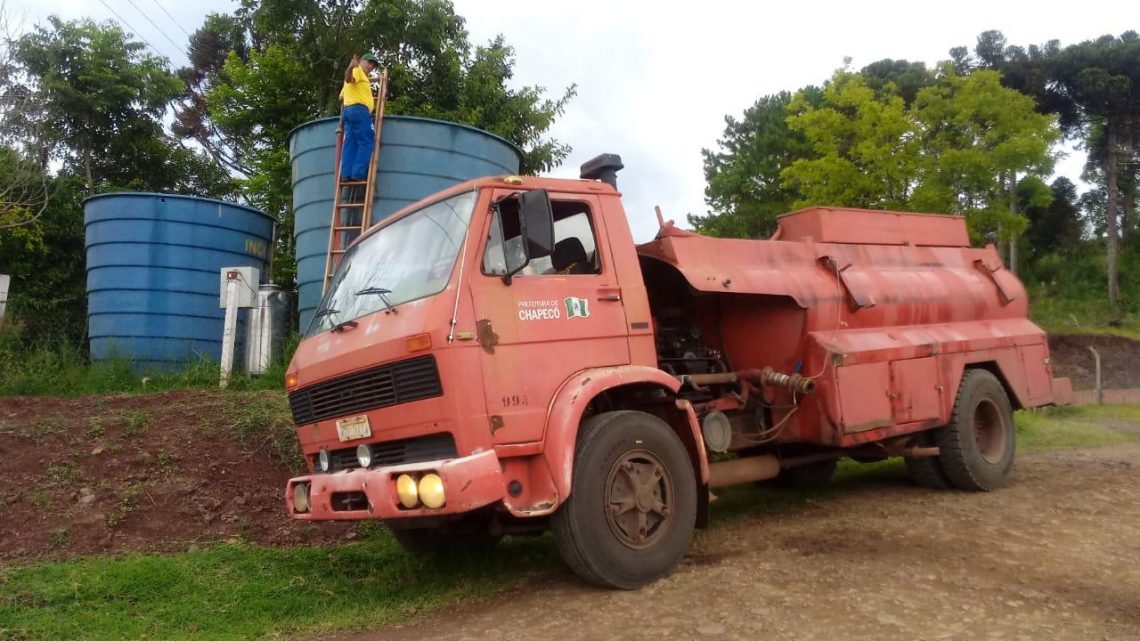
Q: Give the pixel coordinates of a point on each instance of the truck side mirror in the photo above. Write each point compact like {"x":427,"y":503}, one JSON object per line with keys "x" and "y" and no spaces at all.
{"x":536,"y":231}
{"x":537,"y":220}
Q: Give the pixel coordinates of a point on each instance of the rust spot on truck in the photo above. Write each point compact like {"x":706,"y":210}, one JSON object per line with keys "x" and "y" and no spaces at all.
{"x":487,"y":336}
{"x":496,"y":423}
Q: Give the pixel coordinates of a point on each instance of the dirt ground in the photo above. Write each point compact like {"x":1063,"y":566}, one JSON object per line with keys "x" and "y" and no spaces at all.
{"x":154,"y":472}
{"x":1056,"y":555}
{"x":164,"y":472}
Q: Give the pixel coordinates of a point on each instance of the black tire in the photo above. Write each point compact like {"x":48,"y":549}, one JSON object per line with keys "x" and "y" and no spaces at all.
{"x":811,"y":476}
{"x":926,"y":471}
{"x":626,"y":549}
{"x":468,"y":536}
{"x":977,"y":447}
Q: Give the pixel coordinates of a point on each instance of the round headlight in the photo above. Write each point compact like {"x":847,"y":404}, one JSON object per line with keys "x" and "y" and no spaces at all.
{"x":406,"y":491}
{"x":364,"y":455}
{"x":323,"y":460}
{"x":301,"y":497}
{"x":431,"y":491}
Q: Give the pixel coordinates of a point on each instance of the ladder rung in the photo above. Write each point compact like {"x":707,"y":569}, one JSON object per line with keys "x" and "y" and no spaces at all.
{"x":350,"y":204}
{"x":348,"y":228}
{"x":350,"y":183}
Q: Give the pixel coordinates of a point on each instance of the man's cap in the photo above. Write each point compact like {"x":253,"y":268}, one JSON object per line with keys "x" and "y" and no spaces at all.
{"x":370,"y":57}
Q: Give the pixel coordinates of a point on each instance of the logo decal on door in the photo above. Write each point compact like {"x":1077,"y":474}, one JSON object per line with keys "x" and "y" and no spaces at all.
{"x":577,"y":307}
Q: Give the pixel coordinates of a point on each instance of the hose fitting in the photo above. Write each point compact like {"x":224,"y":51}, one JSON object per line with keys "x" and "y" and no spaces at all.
{"x":794,"y":382}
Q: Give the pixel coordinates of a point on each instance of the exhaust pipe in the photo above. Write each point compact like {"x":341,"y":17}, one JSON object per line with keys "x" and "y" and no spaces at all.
{"x":743,"y":470}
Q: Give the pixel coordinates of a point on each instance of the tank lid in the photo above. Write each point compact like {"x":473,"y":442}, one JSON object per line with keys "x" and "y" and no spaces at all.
{"x":151,"y":194}
{"x":513,"y":146}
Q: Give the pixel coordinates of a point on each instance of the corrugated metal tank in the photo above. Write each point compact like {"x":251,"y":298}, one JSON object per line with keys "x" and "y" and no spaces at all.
{"x":418,"y":157}
{"x":153,"y":263}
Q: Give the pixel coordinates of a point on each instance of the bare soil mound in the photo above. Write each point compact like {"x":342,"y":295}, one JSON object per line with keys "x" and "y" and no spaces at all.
{"x":1119,"y":360}
{"x":152,"y":472}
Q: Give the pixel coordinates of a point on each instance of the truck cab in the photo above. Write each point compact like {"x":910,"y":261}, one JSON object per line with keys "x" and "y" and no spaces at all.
{"x":502,"y":358}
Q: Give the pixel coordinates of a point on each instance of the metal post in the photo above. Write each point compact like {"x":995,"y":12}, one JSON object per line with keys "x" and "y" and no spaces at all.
{"x":229,"y":331}
{"x":5,"y":281}
{"x":1099,"y":389}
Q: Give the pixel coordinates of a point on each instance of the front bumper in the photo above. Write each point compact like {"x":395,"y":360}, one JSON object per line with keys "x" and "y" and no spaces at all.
{"x":469,"y":483}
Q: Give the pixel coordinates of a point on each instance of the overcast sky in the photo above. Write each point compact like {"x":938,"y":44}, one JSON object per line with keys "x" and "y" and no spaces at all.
{"x":655,"y":83}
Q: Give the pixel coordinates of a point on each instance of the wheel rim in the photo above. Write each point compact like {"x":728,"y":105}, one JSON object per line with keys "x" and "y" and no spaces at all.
{"x":989,"y":431}
{"x":639,"y":497}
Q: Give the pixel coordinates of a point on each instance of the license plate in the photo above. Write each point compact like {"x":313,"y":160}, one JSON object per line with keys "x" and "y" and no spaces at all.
{"x":353,"y":427}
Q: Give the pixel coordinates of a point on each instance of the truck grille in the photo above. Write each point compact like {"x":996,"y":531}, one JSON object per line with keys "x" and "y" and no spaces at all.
{"x":410,"y":450}
{"x":411,"y":380}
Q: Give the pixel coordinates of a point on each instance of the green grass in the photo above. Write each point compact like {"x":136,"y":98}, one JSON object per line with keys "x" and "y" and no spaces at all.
{"x":239,"y":591}
{"x":263,"y":422}
{"x":1067,"y":427}
{"x":1058,"y":315}
{"x":236,"y":592}
{"x":63,"y":370}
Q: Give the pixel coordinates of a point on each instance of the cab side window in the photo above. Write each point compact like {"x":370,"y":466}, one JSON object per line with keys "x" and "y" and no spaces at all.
{"x":575,"y":247}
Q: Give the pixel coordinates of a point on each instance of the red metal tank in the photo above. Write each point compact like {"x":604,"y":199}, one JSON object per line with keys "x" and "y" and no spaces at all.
{"x":883,"y":310}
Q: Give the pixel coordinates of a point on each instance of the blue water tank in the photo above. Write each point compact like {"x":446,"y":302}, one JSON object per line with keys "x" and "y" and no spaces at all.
{"x":153,"y":264}
{"x":418,"y":157}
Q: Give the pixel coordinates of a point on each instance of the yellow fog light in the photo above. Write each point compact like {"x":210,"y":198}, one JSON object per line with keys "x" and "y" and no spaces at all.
{"x":431,"y":491}
{"x":407,"y":492}
{"x":301,"y":497}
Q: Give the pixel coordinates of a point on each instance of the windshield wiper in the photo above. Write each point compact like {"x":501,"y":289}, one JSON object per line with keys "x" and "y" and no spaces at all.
{"x":321,"y":313}
{"x":382,"y":293}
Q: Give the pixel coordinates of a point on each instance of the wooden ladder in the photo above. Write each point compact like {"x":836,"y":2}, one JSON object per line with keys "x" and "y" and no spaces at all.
{"x":352,"y":202}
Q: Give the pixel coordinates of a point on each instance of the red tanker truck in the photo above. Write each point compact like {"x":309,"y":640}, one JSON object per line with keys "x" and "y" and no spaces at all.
{"x":502,"y":358}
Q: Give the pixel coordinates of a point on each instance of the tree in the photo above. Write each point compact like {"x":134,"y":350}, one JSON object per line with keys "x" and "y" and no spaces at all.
{"x":1101,"y":79}
{"x":901,"y":77}
{"x":864,"y":150}
{"x":101,"y":101}
{"x":1055,"y":222}
{"x":976,"y":137}
{"x":745,"y":189}
{"x":24,"y":191}
{"x":953,"y":150}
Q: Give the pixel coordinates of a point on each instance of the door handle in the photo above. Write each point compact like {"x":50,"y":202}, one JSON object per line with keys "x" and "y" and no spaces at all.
{"x":611,"y":297}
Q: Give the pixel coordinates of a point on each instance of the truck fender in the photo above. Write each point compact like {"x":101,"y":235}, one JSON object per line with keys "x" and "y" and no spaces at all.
{"x":571,"y":400}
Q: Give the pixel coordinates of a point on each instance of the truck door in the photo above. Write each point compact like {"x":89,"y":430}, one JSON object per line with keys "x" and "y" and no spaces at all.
{"x":560,"y":315}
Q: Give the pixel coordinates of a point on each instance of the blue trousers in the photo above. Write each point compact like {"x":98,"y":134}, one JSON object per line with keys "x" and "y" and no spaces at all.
{"x":359,"y":137}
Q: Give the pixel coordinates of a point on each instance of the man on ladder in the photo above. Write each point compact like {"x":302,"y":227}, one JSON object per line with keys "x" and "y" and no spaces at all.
{"x":358,"y":105}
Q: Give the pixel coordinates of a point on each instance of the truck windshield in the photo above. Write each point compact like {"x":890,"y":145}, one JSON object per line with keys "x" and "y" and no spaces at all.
{"x":407,"y":260}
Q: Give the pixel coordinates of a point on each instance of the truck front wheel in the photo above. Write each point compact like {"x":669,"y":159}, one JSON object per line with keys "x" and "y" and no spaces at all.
{"x":977,"y":446}
{"x":633,"y":501}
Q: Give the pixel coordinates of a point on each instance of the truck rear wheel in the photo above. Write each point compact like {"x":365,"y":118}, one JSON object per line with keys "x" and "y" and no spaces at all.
{"x":633,"y":501}
{"x":977,"y":447}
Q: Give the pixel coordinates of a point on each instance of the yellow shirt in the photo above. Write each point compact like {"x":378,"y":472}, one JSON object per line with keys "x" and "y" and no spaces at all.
{"x":359,"y":91}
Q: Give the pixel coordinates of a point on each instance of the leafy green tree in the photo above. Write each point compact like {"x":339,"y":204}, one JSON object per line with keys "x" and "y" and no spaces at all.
{"x":46,"y":260}
{"x":865,"y":153}
{"x":745,"y":188}
{"x":976,"y":137}
{"x":954,"y":149}
{"x":101,"y":101}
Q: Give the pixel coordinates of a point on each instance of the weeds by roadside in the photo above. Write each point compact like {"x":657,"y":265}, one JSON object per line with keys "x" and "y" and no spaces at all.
{"x":63,"y":370}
